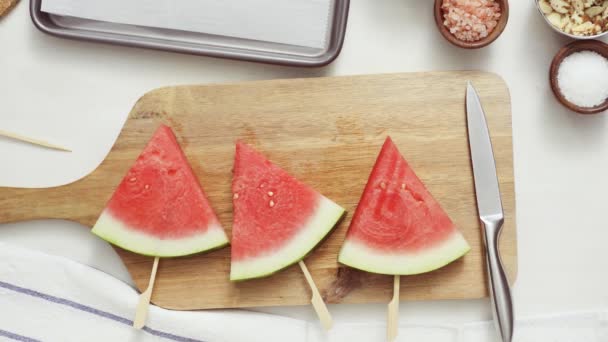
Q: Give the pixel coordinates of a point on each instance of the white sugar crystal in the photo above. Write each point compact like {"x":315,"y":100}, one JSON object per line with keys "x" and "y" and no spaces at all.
{"x":583,"y":79}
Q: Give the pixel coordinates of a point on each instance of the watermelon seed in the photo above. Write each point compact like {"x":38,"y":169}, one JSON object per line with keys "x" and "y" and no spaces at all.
{"x":270,"y":193}
{"x":133,"y":179}
{"x":235,"y":196}
{"x":403,"y":186}
{"x":271,"y":203}
{"x":383,"y":185}
{"x":147,"y":186}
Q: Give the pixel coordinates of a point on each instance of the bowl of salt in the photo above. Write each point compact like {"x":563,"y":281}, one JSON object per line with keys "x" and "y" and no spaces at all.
{"x":579,"y":76}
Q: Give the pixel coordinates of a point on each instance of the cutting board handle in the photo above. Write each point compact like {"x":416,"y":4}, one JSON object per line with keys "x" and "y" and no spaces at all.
{"x":81,"y":201}
{"x":77,"y":201}
{"x":21,"y":204}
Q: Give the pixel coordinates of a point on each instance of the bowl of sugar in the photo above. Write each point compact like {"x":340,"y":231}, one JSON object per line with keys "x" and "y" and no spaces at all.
{"x":579,"y":76}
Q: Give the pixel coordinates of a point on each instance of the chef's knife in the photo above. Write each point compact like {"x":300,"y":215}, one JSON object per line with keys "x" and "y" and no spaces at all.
{"x":491,"y":215}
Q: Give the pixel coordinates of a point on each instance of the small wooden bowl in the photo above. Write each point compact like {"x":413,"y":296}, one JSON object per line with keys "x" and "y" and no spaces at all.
{"x":502,"y":23}
{"x":581,"y":45}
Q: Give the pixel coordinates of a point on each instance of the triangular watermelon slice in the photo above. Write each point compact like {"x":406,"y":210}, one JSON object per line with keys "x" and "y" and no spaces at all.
{"x":159,"y":208}
{"x":398,"y":228}
{"x":277,"y":219}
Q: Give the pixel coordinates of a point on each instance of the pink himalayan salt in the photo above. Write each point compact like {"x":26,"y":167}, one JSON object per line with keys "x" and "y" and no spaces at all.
{"x":471,"y":20}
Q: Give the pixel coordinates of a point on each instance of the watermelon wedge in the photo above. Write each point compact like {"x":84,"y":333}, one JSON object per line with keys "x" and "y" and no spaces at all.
{"x":398,"y":228}
{"x":277,"y":219}
{"x":159,"y":208}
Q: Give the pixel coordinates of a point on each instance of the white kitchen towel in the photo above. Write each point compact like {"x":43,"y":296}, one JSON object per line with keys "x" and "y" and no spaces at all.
{"x":294,"y":22}
{"x":50,"y":298}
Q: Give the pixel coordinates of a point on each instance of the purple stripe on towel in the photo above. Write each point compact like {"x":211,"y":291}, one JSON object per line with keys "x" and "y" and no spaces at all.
{"x":16,"y":337}
{"x":91,"y":310}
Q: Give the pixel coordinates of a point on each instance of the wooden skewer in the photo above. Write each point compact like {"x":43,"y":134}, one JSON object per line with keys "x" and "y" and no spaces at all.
{"x":141,"y":313}
{"x":33,"y":141}
{"x":317,"y":301}
{"x":392,"y":325}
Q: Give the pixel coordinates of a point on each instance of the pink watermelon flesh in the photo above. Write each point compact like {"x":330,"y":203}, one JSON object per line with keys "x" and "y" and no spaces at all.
{"x":159,"y":208}
{"x":277,"y":219}
{"x":398,"y":227}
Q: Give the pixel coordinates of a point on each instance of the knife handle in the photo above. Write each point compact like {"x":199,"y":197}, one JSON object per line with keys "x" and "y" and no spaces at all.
{"x":500,"y":293}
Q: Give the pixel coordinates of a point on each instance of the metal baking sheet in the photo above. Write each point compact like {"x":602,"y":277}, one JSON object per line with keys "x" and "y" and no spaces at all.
{"x":197,"y":43}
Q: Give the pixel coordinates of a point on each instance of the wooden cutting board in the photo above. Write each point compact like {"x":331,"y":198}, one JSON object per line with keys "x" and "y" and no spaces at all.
{"x":327,"y":132}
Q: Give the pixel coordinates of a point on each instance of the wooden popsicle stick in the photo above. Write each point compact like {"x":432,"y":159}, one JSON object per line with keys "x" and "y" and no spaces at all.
{"x":392,"y":324}
{"x":141,"y":313}
{"x":317,"y":301}
{"x":33,"y":141}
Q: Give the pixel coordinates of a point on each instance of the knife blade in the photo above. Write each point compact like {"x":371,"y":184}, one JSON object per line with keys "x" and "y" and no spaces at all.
{"x":491,"y":215}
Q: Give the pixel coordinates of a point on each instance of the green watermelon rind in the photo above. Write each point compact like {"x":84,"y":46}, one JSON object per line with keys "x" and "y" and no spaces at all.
{"x":311,"y":234}
{"x":117,"y":233}
{"x":357,"y":255}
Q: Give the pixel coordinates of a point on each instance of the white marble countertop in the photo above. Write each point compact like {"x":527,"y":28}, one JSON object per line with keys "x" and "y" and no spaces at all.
{"x":78,"y":94}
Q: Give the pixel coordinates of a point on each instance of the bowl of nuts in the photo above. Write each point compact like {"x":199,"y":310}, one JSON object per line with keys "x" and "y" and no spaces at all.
{"x":578,"y":19}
